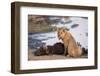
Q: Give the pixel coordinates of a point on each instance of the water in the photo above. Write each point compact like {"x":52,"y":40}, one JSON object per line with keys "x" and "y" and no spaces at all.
{"x":40,"y":39}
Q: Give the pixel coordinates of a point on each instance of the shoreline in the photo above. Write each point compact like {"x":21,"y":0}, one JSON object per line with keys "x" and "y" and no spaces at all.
{"x":31,"y":57}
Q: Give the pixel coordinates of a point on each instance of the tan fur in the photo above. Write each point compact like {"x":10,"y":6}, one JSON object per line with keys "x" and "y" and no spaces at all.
{"x":69,"y":43}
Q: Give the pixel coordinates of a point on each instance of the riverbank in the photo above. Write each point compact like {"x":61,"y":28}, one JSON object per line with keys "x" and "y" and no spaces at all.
{"x":49,"y":57}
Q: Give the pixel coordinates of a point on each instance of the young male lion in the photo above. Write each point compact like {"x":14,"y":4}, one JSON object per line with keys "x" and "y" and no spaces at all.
{"x":70,"y":45}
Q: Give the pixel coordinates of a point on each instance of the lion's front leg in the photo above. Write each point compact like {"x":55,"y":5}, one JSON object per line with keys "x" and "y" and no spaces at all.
{"x":65,"y":51}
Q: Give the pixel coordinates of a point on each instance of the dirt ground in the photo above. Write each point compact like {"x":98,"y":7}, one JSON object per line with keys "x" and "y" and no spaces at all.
{"x":48,"y":57}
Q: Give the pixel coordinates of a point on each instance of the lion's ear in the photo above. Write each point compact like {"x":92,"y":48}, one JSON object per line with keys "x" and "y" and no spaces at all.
{"x":63,"y":29}
{"x":67,"y":29}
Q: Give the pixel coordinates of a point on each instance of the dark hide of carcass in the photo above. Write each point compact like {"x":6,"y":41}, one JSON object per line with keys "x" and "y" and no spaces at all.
{"x":57,"y":48}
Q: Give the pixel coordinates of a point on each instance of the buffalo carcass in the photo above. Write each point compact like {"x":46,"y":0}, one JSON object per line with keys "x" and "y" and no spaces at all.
{"x":57,"y":48}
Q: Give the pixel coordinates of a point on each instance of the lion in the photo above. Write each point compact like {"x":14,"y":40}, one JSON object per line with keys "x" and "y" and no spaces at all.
{"x":70,"y":45}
